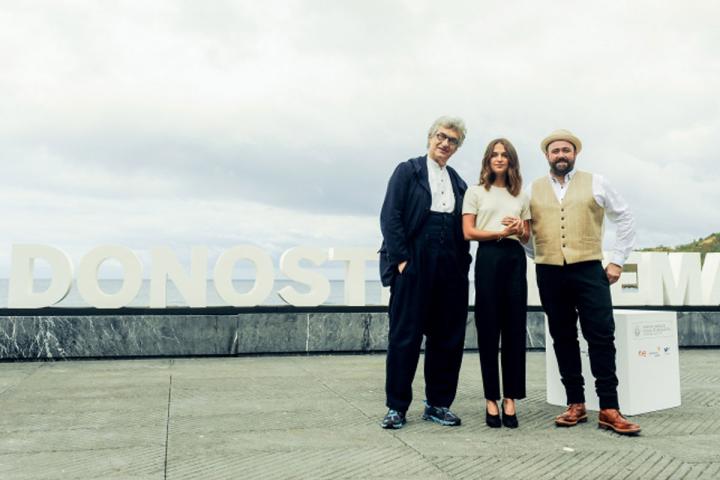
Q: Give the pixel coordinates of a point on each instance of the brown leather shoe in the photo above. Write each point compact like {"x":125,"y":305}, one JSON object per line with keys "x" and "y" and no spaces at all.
{"x":574,"y":414}
{"x":612,"y":419}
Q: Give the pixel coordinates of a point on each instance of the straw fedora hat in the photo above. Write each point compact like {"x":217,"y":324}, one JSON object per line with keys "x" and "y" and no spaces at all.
{"x":561,"y":135}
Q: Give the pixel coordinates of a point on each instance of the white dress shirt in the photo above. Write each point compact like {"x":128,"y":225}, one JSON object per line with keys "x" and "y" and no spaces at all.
{"x":616,"y":209}
{"x":443,"y":198}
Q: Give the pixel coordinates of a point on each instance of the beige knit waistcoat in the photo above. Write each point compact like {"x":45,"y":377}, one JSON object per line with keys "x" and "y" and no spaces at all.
{"x":567,"y":232}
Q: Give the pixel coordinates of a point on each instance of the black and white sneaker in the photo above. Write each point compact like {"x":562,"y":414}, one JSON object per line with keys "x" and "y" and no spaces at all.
{"x":393,"y":419}
{"x":441,"y":415}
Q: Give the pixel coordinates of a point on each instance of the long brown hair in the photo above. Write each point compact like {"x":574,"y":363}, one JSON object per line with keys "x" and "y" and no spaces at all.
{"x":513,"y":180}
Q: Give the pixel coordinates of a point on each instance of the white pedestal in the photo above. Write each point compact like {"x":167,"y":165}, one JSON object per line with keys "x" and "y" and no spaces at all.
{"x":647,"y":361}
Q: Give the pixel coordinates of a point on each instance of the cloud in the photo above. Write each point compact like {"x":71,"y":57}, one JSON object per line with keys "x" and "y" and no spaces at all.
{"x":279,"y":123}
{"x":77,"y":224}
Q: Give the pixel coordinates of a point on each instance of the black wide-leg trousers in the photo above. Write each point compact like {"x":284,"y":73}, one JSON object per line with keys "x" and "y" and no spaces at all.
{"x":429,"y":298}
{"x":501,"y":313}
{"x":581,"y":290}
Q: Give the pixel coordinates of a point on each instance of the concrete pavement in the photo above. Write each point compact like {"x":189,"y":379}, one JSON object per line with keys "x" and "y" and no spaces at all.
{"x":317,"y":417}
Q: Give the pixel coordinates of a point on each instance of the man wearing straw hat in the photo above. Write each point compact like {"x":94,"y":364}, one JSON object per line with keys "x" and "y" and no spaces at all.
{"x":568,"y":208}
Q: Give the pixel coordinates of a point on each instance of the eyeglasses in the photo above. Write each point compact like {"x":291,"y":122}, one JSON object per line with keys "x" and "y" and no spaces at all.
{"x":441,"y":137}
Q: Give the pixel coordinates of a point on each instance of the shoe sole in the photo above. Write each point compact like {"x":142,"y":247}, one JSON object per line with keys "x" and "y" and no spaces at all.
{"x":441,"y":421}
{"x":565,"y":423}
{"x":394,"y":426}
{"x":607,"y":426}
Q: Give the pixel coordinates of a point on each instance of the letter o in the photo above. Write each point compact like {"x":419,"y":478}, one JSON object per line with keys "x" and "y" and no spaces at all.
{"x":263,"y":277}
{"x":87,"y":281}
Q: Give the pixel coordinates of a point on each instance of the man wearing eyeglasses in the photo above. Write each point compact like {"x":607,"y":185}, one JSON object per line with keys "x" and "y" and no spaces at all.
{"x":424,"y":260}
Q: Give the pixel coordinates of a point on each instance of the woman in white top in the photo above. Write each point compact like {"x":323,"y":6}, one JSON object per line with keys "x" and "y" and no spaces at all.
{"x":496,"y":213}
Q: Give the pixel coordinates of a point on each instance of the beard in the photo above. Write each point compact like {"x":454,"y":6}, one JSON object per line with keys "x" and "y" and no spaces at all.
{"x":564,"y":169}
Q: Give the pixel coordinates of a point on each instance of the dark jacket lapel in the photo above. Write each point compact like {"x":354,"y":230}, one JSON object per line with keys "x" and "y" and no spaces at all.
{"x":421,"y":172}
{"x":459,"y":188}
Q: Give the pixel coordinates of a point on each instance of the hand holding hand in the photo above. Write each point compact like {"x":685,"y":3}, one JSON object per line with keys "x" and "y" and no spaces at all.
{"x":513,"y":226}
{"x":509,"y":220}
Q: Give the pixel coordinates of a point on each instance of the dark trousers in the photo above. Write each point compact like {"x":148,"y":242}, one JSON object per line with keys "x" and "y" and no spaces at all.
{"x":581,"y":290}
{"x":501,"y":313}
{"x":429,"y":298}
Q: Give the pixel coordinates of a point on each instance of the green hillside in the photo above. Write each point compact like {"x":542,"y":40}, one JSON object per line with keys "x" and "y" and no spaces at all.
{"x":711,"y":243}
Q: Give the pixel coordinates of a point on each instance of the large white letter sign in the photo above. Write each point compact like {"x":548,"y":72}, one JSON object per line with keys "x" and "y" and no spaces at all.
{"x":384,"y":296}
{"x":192,"y":287}
{"x":263,"y":277}
{"x":319,"y":284}
{"x":87,"y":281}
{"x":20,"y":290}
{"x":677,"y":276}
{"x":355,"y":259}
{"x":531,"y":275}
{"x":711,"y":279}
{"x":636,"y":296}
{"x":649,"y":278}
{"x":687,"y":275}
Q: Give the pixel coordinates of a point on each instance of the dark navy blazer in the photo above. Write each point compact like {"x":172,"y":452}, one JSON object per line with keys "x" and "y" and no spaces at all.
{"x":405,"y":209}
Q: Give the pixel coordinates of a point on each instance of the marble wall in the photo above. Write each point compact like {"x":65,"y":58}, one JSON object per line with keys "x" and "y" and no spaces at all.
{"x":121,"y":335}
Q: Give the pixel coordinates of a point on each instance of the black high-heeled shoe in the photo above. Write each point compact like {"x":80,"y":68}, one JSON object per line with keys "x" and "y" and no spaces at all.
{"x":492,"y":421}
{"x":510,"y":421}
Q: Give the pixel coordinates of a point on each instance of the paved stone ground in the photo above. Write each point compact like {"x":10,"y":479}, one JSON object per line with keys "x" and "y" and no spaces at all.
{"x":317,"y":417}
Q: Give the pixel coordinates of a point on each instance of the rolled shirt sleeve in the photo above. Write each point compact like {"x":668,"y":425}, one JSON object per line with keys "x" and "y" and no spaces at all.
{"x":618,"y":211}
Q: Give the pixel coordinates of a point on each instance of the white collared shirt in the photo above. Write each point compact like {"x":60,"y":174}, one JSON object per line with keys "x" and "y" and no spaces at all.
{"x":443,"y":198}
{"x":616,"y":210}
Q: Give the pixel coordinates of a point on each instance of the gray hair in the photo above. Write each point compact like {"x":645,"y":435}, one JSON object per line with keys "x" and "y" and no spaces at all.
{"x":453,"y":123}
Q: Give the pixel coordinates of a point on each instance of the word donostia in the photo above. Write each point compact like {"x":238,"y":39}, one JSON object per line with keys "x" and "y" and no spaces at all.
{"x":659,"y":278}
{"x":192,"y":284}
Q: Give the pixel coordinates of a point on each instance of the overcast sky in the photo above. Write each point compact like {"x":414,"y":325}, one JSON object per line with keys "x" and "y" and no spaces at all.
{"x":220,"y":123}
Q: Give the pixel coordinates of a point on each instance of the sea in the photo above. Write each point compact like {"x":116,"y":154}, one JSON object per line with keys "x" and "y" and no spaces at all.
{"x":175,"y":299}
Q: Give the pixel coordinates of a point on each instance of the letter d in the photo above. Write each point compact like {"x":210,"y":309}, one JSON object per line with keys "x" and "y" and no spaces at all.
{"x":20,"y":289}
